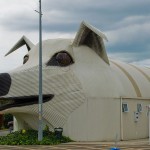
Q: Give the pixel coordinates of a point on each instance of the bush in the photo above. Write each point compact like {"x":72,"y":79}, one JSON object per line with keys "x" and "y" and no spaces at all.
{"x":30,"y":137}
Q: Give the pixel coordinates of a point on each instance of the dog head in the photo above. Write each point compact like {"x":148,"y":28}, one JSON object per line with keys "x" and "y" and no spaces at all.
{"x":65,"y":63}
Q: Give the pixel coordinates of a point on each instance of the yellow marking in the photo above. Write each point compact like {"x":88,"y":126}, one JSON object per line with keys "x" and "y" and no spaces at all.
{"x":145,"y":75}
{"x":133,"y":82}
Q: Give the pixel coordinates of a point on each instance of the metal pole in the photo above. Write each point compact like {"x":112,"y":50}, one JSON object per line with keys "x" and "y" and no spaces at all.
{"x":149,"y":122}
{"x":40,"y":129}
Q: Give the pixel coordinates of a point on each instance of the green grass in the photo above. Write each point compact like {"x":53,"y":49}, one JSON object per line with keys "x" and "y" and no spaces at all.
{"x":30,"y":137}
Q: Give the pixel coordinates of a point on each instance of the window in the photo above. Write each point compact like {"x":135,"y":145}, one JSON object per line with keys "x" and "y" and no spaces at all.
{"x":61,"y":58}
{"x":125,"y":107}
{"x":25,"y":59}
{"x":139,"y":107}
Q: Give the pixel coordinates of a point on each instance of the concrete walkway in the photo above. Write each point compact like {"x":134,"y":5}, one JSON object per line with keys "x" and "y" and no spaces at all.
{"x":125,"y":145}
{"x":4,"y":132}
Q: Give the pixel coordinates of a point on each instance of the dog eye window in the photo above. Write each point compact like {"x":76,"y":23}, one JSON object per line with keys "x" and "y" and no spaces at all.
{"x":25,"y":59}
{"x":62,"y":59}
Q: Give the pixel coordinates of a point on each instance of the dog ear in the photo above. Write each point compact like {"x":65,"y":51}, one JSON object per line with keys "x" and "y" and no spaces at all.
{"x":21,"y":42}
{"x":92,"y":37}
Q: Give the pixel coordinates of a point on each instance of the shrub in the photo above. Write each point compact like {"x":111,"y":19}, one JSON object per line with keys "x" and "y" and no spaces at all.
{"x":30,"y":137}
{"x":46,"y":128}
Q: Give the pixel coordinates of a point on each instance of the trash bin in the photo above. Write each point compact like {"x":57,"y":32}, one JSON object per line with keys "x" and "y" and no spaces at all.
{"x":58,"y":132}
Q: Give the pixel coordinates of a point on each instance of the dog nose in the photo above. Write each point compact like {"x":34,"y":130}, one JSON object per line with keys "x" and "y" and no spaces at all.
{"x":5,"y":82}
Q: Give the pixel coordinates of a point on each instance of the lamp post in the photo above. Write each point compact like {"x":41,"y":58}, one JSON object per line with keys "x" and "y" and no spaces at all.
{"x":149,"y":122}
{"x":40,"y":111}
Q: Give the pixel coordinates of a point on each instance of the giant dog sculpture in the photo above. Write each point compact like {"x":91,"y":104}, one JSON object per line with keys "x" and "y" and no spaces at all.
{"x":82,"y":88}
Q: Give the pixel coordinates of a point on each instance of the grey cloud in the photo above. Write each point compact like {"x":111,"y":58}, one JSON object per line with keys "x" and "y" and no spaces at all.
{"x":126,"y":23}
{"x":132,"y":38}
{"x":102,"y":14}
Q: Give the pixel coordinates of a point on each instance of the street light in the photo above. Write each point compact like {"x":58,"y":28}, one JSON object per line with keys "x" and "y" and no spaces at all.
{"x":40,"y":111}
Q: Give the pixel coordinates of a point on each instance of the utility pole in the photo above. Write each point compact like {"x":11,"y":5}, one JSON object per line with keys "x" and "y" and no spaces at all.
{"x":40,"y":111}
{"x":149,"y":122}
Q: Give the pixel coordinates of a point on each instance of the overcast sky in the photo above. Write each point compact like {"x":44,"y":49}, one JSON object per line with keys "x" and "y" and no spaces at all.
{"x":126,"y":23}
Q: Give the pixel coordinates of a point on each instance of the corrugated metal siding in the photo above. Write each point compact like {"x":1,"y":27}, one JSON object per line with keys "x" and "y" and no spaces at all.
{"x":67,"y":90}
{"x":139,"y":75}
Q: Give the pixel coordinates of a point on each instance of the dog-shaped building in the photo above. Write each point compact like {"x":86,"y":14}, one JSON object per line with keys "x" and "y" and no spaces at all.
{"x":90,"y":96}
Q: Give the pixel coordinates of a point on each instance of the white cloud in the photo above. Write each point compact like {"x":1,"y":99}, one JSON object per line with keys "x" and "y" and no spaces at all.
{"x":122,"y":56}
{"x":145,"y":62}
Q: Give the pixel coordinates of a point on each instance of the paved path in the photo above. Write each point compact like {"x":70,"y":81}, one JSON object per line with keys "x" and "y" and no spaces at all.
{"x":125,"y":145}
{"x":4,"y":132}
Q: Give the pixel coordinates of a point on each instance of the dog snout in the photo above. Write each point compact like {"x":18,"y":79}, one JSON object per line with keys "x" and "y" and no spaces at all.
{"x":5,"y":83}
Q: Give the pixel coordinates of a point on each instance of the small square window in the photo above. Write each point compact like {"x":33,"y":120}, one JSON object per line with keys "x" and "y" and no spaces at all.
{"x":125,"y":107}
{"x":139,"y":107}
